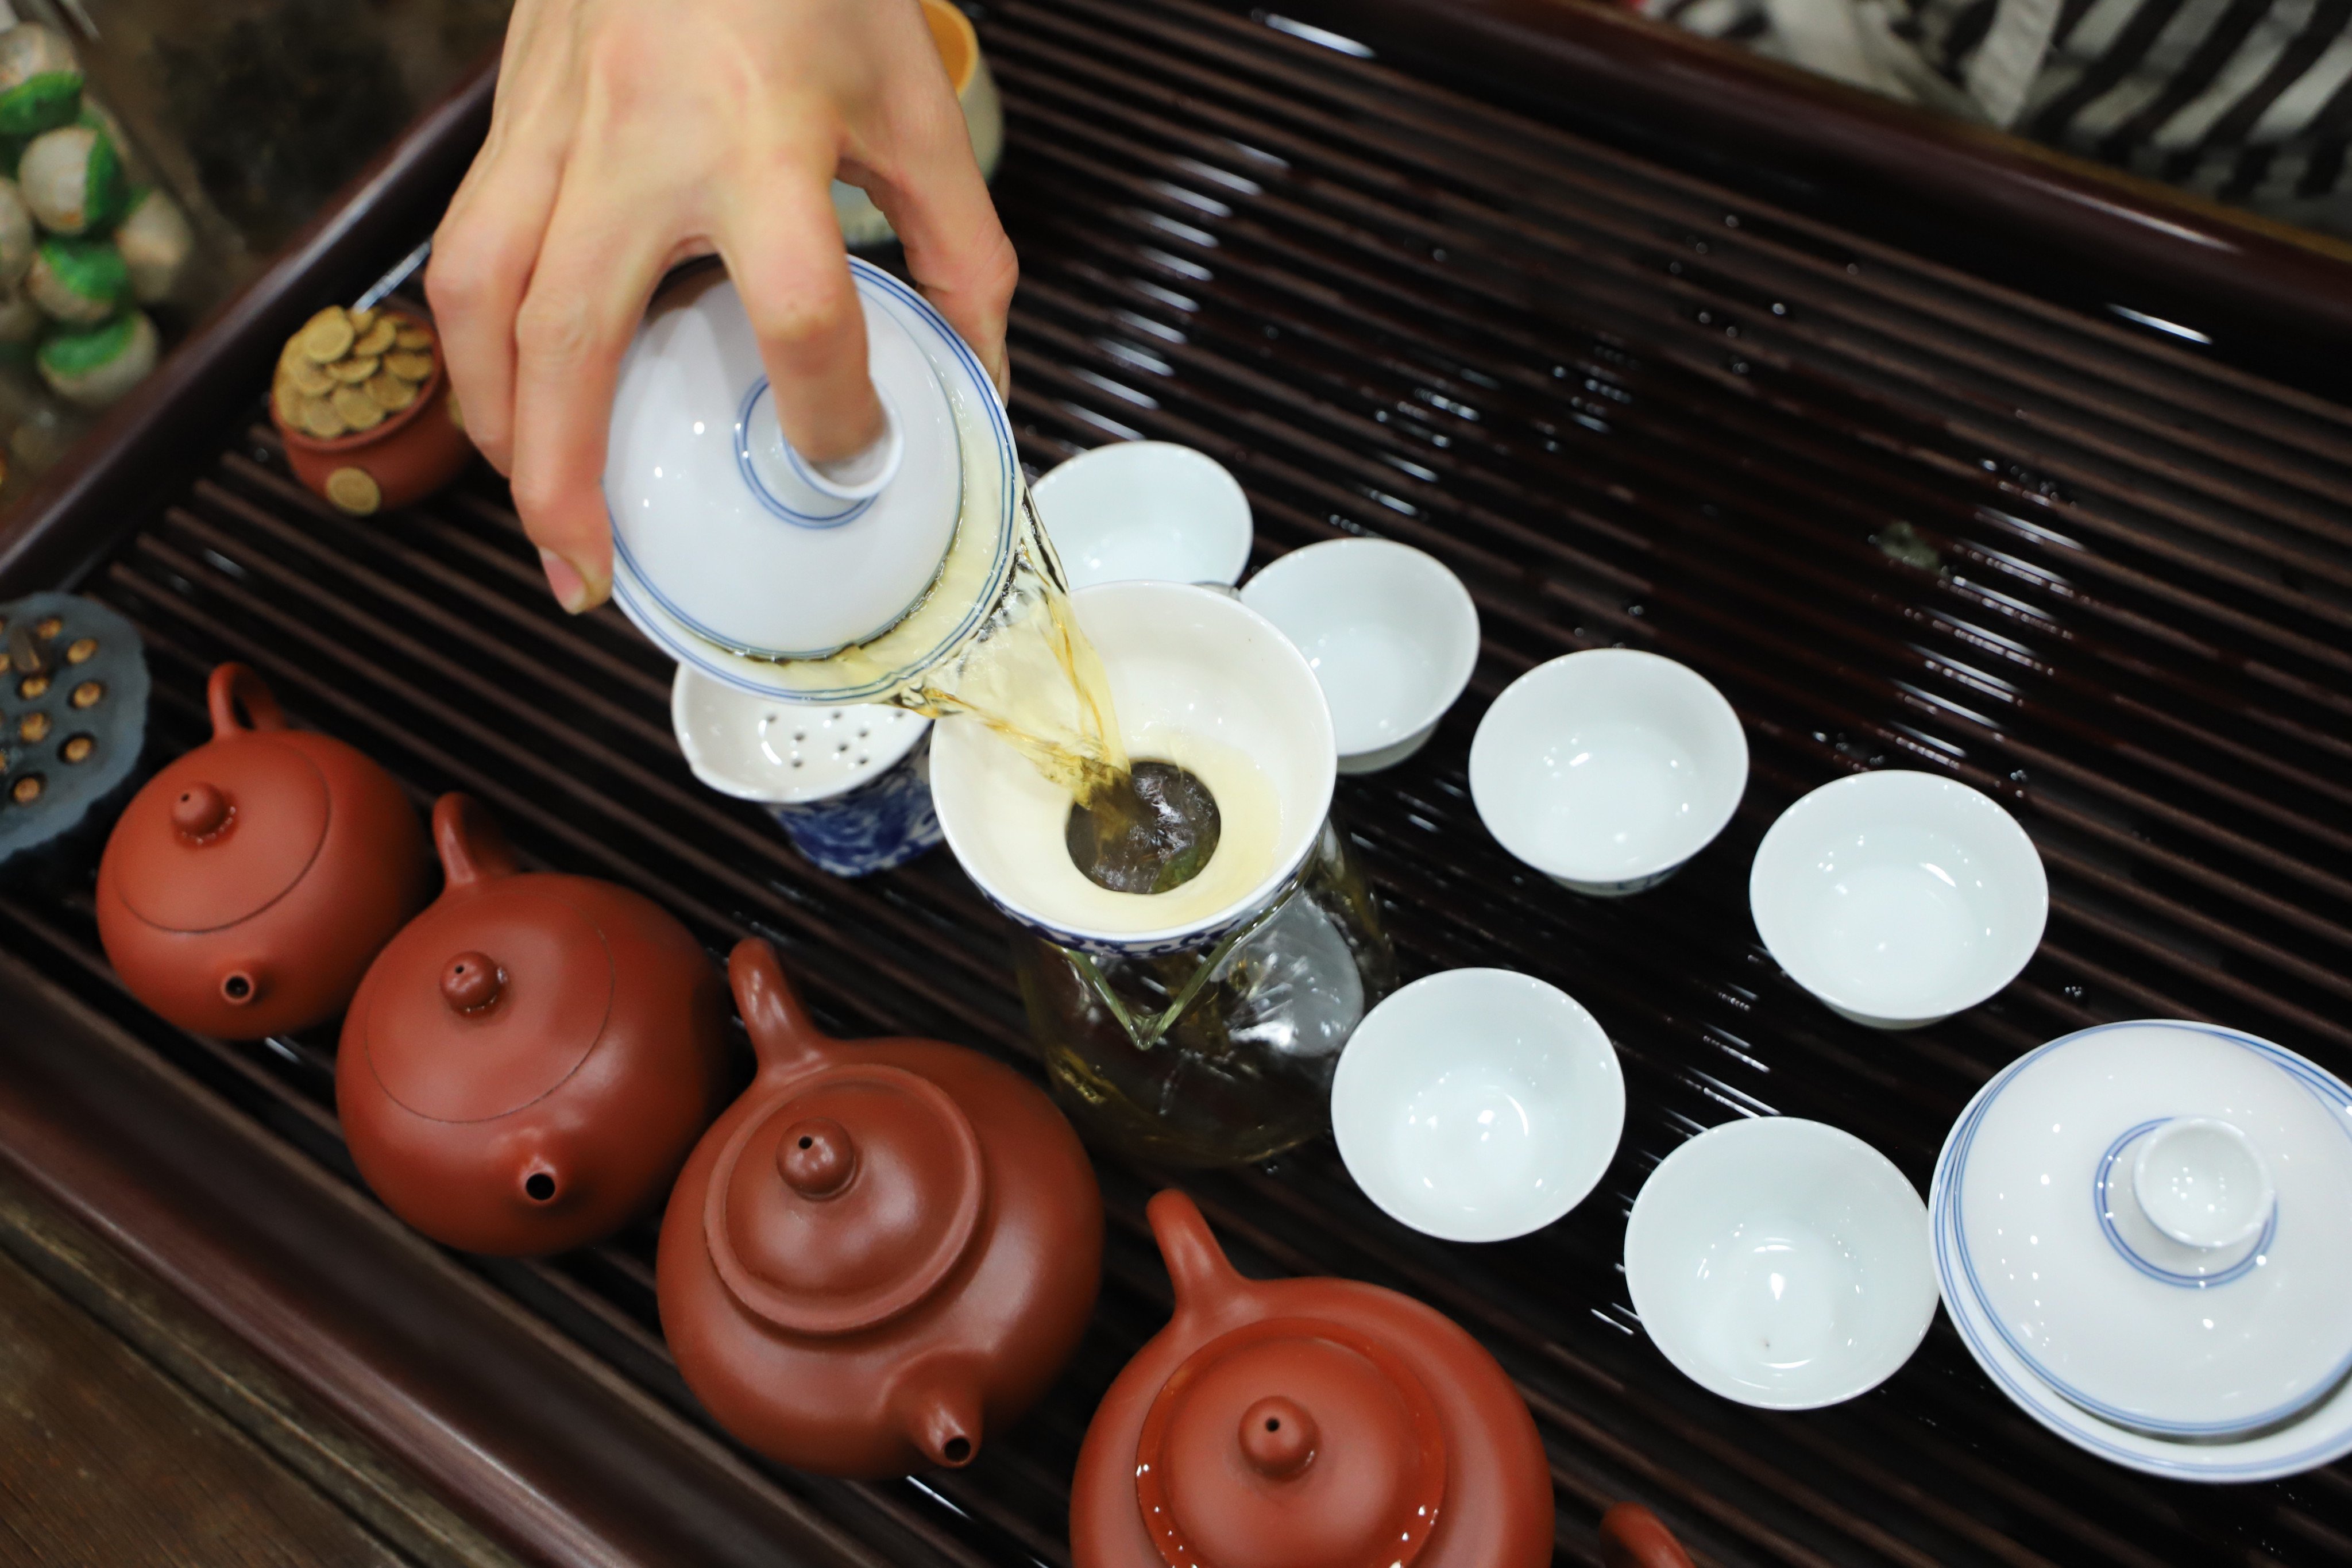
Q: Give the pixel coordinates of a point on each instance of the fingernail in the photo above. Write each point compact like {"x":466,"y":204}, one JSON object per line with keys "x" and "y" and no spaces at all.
{"x":571,"y":588}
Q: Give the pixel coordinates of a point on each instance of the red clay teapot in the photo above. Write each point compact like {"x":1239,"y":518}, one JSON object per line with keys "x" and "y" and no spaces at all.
{"x":244,"y":890}
{"x":528,"y":1061}
{"x":883,"y":1251}
{"x":1306,"y":1424}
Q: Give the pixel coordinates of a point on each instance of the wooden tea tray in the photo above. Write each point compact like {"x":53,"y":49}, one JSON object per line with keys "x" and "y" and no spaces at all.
{"x":1654,"y":345}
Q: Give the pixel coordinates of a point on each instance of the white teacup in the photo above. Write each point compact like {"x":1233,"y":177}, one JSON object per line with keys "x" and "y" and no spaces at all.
{"x":1478,"y":1104}
{"x":1607,"y":770}
{"x":1390,"y":632}
{"x":1899,"y":898}
{"x":1145,"y":512}
{"x":1780,"y":1263}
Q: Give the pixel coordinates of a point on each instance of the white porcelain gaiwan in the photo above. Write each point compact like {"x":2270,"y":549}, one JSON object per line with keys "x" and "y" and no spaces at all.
{"x":2155,"y":1221}
{"x":1391,"y":634}
{"x":1899,"y":898}
{"x":1478,"y":1104}
{"x":1781,"y":1263}
{"x":732,"y":553}
{"x":1198,"y":679}
{"x":1147,"y":511}
{"x":1606,"y":770}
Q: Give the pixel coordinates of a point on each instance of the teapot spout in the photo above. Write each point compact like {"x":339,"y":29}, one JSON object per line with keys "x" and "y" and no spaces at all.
{"x":939,"y":1409}
{"x":1196,"y":1264}
{"x":784,"y":1037}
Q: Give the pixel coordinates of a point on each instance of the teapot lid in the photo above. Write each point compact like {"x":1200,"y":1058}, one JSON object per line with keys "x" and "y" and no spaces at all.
{"x":1292,"y":1443}
{"x":851,"y":1195}
{"x":494,"y":995}
{"x":223,"y":832}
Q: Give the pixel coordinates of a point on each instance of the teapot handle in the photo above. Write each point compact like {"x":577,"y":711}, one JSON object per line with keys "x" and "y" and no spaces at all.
{"x":236,"y":685}
{"x":783,"y":1034}
{"x":1633,"y":1537}
{"x":472,"y":849}
{"x":1196,"y":1264}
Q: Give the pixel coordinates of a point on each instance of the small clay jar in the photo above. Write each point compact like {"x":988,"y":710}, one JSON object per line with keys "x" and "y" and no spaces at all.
{"x":396,"y":463}
{"x":244,"y":890}
{"x":1278,"y":1422}
{"x":881,"y":1252}
{"x":528,"y":1063}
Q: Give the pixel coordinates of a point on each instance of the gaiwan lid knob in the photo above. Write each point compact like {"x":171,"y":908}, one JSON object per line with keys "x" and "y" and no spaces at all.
{"x":853,"y":1194}
{"x":1289,"y":1442}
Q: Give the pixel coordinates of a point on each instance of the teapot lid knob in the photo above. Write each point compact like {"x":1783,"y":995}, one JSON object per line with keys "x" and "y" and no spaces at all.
{"x":200,"y":811}
{"x":472,"y":982}
{"x":1358,"y":1486}
{"x":847,"y":1201}
{"x":1278,"y":1437}
{"x":816,"y":1157}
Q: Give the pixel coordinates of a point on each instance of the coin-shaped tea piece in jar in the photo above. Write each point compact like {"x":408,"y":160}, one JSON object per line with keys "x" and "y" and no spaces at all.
{"x":329,"y":335}
{"x":312,"y":377}
{"x":320,"y":419}
{"x":356,"y":409}
{"x":350,"y":372}
{"x":412,"y":337}
{"x":391,"y":394}
{"x":355,"y":491}
{"x":409,"y":365}
{"x":378,"y":337}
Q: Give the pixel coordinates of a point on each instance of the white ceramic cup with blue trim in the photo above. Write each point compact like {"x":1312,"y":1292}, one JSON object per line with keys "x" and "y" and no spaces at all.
{"x":849,"y":786}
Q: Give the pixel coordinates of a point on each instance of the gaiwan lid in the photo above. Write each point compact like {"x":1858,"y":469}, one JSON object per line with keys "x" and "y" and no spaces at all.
{"x":733,"y":552}
{"x":2153,"y":1216}
{"x":502,"y":974}
{"x":221,"y":833}
{"x":846,"y":1200}
{"x":1292,"y":1443}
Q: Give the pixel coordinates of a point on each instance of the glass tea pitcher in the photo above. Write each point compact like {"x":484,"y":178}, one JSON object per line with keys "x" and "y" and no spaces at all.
{"x":1200,"y":1026}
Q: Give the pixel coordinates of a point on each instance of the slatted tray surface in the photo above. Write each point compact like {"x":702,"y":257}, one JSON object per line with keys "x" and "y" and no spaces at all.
{"x":1900,"y":518}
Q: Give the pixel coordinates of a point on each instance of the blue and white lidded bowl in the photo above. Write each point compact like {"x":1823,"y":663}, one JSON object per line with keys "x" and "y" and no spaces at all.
{"x":745,"y":563}
{"x":851,"y":785}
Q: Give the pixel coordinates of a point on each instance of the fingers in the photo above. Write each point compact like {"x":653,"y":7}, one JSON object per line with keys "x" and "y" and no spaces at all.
{"x":484,"y":251}
{"x":782,"y":247}
{"x":956,"y":249}
{"x":606,"y":247}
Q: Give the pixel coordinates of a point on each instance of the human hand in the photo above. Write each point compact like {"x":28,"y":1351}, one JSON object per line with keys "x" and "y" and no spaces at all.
{"x":631,"y":135}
